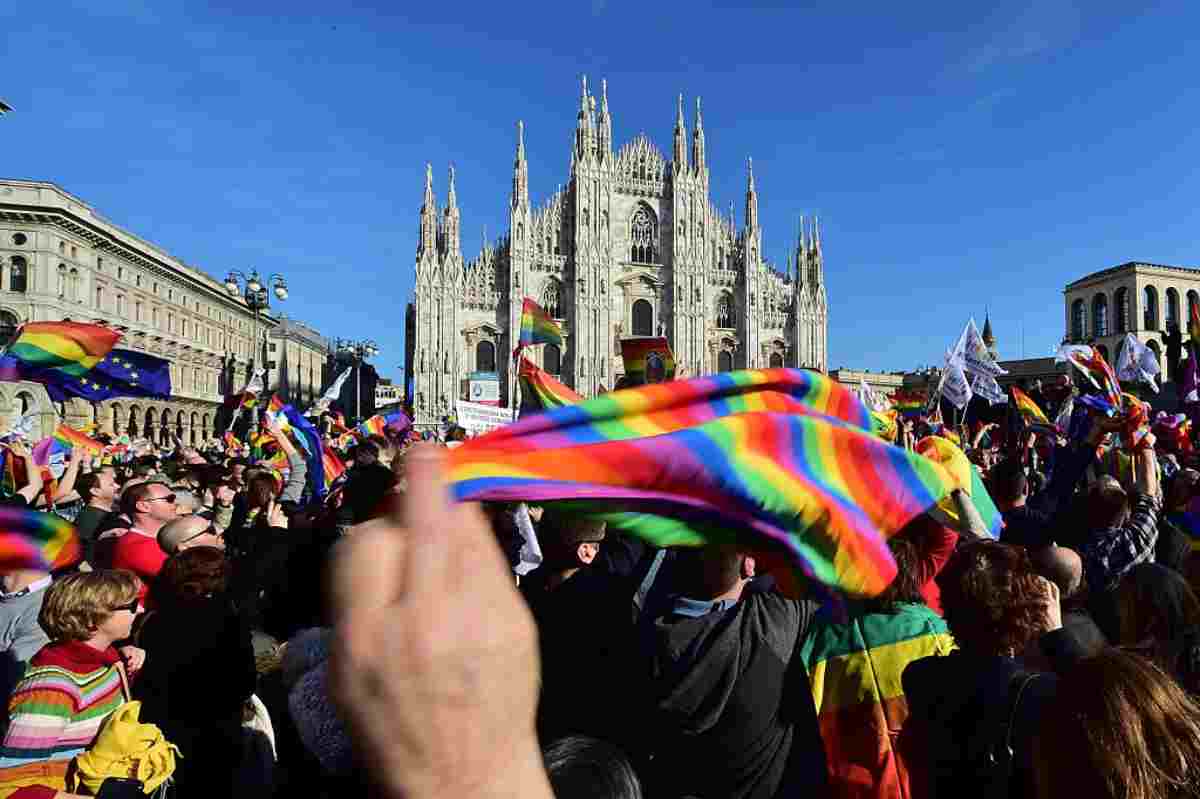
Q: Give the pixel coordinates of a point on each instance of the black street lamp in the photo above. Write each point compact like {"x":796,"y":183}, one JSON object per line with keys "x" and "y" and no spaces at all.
{"x":359,"y":351}
{"x":257,"y":300}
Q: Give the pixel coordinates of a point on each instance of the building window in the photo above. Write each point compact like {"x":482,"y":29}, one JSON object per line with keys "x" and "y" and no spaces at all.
{"x":1100,"y":315}
{"x":724,"y":361}
{"x":62,"y":248}
{"x":120,"y":272}
{"x":1172,"y":308}
{"x":99,"y":298}
{"x":1121,"y":299}
{"x":643,"y":236}
{"x":552,"y":359}
{"x":19,"y":239}
{"x":1193,"y":302}
{"x":19,"y":279}
{"x":121,"y":305}
{"x":1078,"y":321}
{"x":776,"y":361}
{"x":643,"y":318}
{"x":272,"y":348}
{"x":73,"y":285}
{"x":485,"y":357}
{"x":1150,"y":309}
{"x":552,"y":298}
{"x":74,"y":251}
{"x":61,"y":278}
{"x":137,"y":312}
{"x":725,"y":310}
{"x":137,"y":280}
{"x":170,"y":323}
{"x":99,"y":264}
{"x":8,"y":327}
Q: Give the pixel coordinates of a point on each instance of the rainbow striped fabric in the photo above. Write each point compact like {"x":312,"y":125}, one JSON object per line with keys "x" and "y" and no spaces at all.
{"x":1194,"y":322}
{"x":855,"y":670}
{"x":537,"y":327}
{"x":542,"y":386}
{"x":647,"y":360}
{"x":375,"y":426}
{"x":943,"y":451}
{"x":334,"y":468}
{"x":1029,"y":409}
{"x":778,"y":460}
{"x":31,"y":539}
{"x":71,"y":438}
{"x":70,"y":348}
{"x":54,"y":714}
{"x":1091,"y":363}
{"x":909,"y":403}
{"x":884,"y":424}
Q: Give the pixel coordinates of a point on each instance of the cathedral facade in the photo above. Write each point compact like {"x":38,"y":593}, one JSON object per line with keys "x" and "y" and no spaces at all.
{"x":631,"y":246}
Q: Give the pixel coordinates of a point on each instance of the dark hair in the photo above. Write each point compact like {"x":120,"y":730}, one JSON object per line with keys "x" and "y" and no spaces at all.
{"x":1106,"y":506}
{"x":260,"y":489}
{"x":993,"y":600}
{"x":238,"y":462}
{"x":906,"y":587}
{"x":87,"y":484}
{"x":366,"y":490}
{"x":192,"y":575}
{"x":1008,"y":479}
{"x":1154,"y":602}
{"x":1119,"y":727}
{"x":707,"y":571}
{"x":586,"y":768}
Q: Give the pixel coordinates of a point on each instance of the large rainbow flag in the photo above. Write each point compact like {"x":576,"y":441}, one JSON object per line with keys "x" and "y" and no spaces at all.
{"x":647,"y":360}
{"x":31,"y":539}
{"x":71,"y":349}
{"x":542,"y":386}
{"x":943,"y":451}
{"x":780,"y":461}
{"x":537,"y":327}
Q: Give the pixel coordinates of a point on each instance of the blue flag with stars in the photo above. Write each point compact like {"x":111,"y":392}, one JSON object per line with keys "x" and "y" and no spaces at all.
{"x":122,"y":373}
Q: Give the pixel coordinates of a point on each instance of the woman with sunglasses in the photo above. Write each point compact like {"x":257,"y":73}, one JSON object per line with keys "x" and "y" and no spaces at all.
{"x":72,"y":684}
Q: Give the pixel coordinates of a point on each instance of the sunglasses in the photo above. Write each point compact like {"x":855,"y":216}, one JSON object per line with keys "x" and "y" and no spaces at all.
{"x":131,"y":606}
{"x":168,"y":498}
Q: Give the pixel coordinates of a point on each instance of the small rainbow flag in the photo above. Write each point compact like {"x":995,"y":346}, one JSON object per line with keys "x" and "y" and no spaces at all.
{"x":375,"y":426}
{"x":943,"y":451}
{"x":542,"y":386}
{"x":71,"y":438}
{"x":647,"y":360}
{"x":537,"y":327}
{"x":334,"y":468}
{"x":70,"y":348}
{"x":909,"y":403}
{"x":1089,"y":361}
{"x":231,"y":442}
{"x":780,"y":461}
{"x":1194,"y":322}
{"x":31,"y":539}
{"x":1029,"y":409}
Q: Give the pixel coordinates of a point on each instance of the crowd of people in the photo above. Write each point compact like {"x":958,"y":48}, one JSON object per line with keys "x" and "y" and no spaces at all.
{"x":258,"y":640}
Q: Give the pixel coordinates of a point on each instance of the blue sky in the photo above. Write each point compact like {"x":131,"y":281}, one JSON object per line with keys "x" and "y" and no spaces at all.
{"x":960,"y":157}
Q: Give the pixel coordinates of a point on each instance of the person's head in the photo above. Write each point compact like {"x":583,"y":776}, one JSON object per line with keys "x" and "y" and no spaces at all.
{"x":588,"y":768}
{"x":186,"y":502}
{"x":187,"y":532}
{"x":1037,"y":384}
{"x":709,"y":572}
{"x":906,"y":587}
{"x":1154,"y":605}
{"x":99,"y":486}
{"x":260,"y":489}
{"x":994,"y":602}
{"x":1184,"y":486}
{"x":149,"y":505}
{"x":87,"y":605}
{"x":367,"y":491}
{"x":1059,"y":565}
{"x":237,"y":469}
{"x":568,"y":541}
{"x":365,"y":453}
{"x":1119,"y":727}
{"x":192,"y":575}
{"x":1107,"y":504}
{"x":1010,"y":487}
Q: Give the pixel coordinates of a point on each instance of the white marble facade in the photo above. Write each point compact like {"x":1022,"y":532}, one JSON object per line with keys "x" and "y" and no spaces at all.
{"x":632,"y":245}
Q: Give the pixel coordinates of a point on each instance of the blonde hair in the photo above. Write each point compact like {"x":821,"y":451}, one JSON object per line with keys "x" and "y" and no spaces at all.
{"x":77,"y":604}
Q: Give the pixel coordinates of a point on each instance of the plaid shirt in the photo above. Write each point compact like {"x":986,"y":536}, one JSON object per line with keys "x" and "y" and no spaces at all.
{"x":1110,"y":554}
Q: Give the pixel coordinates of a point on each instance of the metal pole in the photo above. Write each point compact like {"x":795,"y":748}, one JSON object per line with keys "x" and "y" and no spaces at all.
{"x":358,"y":390}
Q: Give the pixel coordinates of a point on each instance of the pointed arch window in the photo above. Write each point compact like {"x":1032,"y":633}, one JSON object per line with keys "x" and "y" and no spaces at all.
{"x":552,"y":298}
{"x":643,"y":236}
{"x":724,"y":361}
{"x":776,"y":361}
{"x":552,"y":359}
{"x":725,"y":315}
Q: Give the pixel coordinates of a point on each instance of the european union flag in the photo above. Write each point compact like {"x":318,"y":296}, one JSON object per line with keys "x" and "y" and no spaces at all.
{"x":122,"y":373}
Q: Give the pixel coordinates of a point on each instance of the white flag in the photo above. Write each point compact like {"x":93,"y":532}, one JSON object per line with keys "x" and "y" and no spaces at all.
{"x":954,"y":385}
{"x":974,"y":353}
{"x":531,"y":551}
{"x":331,"y":393}
{"x":870,"y":398}
{"x":987,"y":387}
{"x":255,"y":384}
{"x":1137,"y":362}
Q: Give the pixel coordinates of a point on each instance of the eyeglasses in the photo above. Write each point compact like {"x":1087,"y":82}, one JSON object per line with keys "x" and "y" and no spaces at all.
{"x":132,"y":606}
{"x":168,"y":498}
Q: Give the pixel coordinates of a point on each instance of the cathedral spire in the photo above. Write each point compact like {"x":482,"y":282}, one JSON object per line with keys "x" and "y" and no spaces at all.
{"x":800,"y":259}
{"x":604,"y":125}
{"x":816,"y":262}
{"x":428,"y":242}
{"x":698,"y":141}
{"x":584,"y":134}
{"x":451,"y":238}
{"x":520,"y":192}
{"x":751,"y":197}
{"x":680,"y":154}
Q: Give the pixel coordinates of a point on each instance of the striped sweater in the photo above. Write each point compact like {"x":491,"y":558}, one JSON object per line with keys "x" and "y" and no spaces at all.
{"x":57,"y":708}
{"x":854,"y":670}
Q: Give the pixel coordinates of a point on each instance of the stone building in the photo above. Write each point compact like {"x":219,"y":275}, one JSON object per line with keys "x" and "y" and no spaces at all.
{"x":60,"y":259}
{"x":1152,"y":301}
{"x":631,"y":246}
{"x":298,"y":361}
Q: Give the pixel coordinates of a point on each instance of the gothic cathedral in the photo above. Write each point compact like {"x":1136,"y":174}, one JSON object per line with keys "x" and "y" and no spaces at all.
{"x":632,"y":246}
